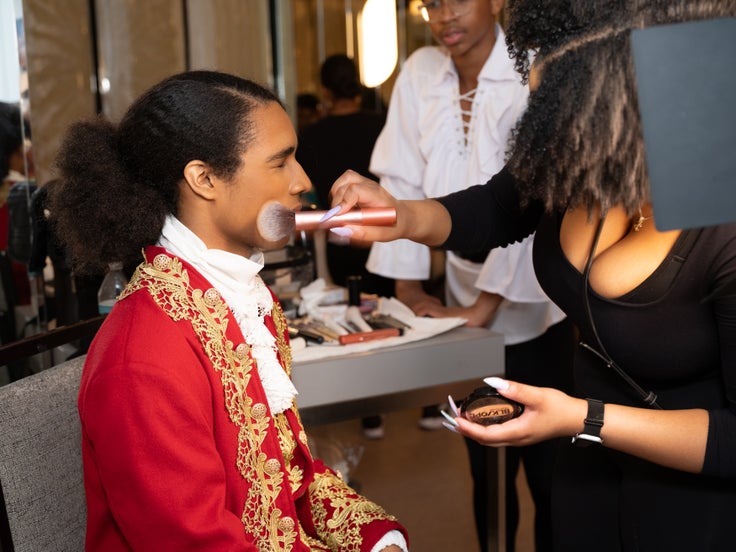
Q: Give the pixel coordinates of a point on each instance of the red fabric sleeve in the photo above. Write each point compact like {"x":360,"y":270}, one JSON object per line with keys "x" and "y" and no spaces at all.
{"x":355,"y":523}
{"x":150,"y":454}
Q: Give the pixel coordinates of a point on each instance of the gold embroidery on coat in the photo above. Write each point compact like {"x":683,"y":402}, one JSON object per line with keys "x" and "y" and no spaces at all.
{"x":211,"y":297}
{"x":314,"y":544}
{"x":259,"y":410}
{"x":341,"y":529}
{"x":241,"y":351}
{"x":288,"y":446}
{"x":279,"y":320}
{"x":286,"y":523}
{"x":273,"y":466}
{"x":161,"y":261}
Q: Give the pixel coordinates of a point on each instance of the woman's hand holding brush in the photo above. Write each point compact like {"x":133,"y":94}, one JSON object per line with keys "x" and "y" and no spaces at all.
{"x":277,"y":222}
{"x":425,"y":221}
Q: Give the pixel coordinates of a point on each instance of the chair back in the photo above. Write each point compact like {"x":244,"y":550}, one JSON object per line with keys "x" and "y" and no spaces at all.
{"x":7,"y":300}
{"x":41,"y":462}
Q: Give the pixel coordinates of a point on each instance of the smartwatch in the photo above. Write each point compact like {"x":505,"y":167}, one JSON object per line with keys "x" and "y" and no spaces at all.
{"x":591,"y":434}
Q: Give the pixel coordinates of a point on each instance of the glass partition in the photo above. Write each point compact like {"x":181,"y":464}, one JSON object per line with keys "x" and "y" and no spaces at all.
{"x":19,"y":301}
{"x":326,"y":27}
{"x":93,"y":57}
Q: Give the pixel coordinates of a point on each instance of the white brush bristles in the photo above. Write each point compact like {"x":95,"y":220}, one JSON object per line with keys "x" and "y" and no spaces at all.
{"x":275,"y":221}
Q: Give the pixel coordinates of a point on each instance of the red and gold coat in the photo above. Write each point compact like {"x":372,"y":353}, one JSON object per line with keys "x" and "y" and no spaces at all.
{"x":180,"y":449}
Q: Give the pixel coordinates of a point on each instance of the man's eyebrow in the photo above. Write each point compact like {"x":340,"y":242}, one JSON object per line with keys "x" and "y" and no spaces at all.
{"x":283,"y":154}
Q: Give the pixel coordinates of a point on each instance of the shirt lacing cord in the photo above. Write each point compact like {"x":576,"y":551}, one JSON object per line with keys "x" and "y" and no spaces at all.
{"x":466,"y":116}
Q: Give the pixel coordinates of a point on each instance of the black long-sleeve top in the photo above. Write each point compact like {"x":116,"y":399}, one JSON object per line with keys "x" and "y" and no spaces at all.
{"x":675,"y":334}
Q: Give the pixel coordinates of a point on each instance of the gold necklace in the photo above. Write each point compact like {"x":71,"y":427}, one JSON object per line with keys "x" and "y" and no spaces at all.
{"x":642,"y":219}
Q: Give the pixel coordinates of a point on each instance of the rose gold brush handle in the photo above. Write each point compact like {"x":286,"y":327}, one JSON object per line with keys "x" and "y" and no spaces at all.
{"x":370,"y":216}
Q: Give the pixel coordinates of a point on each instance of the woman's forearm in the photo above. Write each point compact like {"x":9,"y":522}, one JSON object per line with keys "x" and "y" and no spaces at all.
{"x":675,"y":439}
{"x":426,"y":221}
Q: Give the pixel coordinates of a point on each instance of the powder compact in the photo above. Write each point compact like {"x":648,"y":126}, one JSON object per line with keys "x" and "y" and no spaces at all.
{"x":486,"y":407}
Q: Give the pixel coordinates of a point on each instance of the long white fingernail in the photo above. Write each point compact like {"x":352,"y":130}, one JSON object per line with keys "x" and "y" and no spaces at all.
{"x":451,"y":428}
{"x":342,"y":231}
{"x":340,"y":240}
{"x":449,"y":418}
{"x":329,"y":214}
{"x":453,"y":406}
{"x":498,"y":383}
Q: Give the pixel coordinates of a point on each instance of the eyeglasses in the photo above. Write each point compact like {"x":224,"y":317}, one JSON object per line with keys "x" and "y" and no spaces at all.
{"x":433,"y":10}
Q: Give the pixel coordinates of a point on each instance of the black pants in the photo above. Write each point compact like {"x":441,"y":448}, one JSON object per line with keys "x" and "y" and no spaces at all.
{"x":545,"y":361}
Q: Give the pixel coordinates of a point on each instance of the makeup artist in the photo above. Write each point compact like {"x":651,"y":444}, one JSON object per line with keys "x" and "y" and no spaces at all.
{"x":449,"y":121}
{"x":652,"y":462}
{"x":191,"y":438}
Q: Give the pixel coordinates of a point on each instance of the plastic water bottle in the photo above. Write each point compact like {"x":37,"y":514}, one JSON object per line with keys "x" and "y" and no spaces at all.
{"x":111,"y":288}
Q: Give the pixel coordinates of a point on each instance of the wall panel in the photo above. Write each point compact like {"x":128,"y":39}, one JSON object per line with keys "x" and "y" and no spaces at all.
{"x":60,"y":70}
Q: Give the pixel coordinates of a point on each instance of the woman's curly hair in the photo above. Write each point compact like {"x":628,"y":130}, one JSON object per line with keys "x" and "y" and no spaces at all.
{"x":580,"y":143}
{"x":119,"y":182}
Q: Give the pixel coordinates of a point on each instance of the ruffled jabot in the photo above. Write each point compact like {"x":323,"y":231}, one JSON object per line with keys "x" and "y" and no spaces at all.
{"x":237,"y":280}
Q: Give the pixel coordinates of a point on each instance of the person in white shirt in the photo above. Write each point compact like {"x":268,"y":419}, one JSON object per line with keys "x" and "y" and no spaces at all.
{"x":450,"y":118}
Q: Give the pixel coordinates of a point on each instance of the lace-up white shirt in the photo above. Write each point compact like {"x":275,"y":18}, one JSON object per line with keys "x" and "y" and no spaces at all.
{"x":423,"y":151}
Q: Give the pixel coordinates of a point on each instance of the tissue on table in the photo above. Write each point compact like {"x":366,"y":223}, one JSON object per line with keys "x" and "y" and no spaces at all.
{"x":317,"y":294}
{"x":327,"y":305}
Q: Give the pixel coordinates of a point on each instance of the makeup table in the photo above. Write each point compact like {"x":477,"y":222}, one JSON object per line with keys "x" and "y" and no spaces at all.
{"x":407,"y":376}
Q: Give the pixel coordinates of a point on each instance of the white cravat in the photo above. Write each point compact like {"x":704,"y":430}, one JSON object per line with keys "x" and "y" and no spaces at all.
{"x":237,"y":280}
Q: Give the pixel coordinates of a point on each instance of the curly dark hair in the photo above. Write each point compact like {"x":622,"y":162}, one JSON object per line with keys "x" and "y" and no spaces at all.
{"x":119,"y":182}
{"x":580,"y":141}
{"x":11,"y":135}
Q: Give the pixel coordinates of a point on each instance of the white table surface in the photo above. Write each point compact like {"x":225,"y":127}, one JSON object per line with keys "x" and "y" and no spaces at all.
{"x":462,"y":355}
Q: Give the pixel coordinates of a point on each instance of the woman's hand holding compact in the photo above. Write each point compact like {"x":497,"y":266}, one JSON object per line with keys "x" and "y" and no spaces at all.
{"x":547,"y":413}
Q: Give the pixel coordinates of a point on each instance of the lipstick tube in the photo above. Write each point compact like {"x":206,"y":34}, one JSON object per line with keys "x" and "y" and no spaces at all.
{"x":361,"y":337}
{"x":369,"y":216}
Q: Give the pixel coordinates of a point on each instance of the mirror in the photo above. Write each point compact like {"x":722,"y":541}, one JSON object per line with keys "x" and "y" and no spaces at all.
{"x":89,"y":58}
{"x":19,"y":302}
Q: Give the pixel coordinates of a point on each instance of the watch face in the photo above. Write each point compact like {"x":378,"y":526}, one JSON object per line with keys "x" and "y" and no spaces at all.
{"x":486,"y":407}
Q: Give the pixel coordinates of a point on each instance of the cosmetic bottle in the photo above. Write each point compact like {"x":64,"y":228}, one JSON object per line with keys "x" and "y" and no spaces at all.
{"x":354,"y":284}
{"x":112,"y":286}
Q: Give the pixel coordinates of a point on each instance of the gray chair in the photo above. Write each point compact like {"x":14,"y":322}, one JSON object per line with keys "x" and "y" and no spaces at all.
{"x":41,"y":462}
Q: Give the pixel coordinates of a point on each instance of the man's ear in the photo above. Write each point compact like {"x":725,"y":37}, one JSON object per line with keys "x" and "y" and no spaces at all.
{"x":200,"y":179}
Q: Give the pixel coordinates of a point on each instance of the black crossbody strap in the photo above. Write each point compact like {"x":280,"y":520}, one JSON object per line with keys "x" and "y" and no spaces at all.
{"x":648,"y":397}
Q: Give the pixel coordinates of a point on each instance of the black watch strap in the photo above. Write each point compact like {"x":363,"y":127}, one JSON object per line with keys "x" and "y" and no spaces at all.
{"x":591,"y":433}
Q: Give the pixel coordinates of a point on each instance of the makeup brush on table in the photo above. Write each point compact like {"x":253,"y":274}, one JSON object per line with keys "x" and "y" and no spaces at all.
{"x":276,"y":222}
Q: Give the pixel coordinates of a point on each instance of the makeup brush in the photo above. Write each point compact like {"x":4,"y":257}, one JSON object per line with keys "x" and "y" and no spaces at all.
{"x":275,"y":221}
